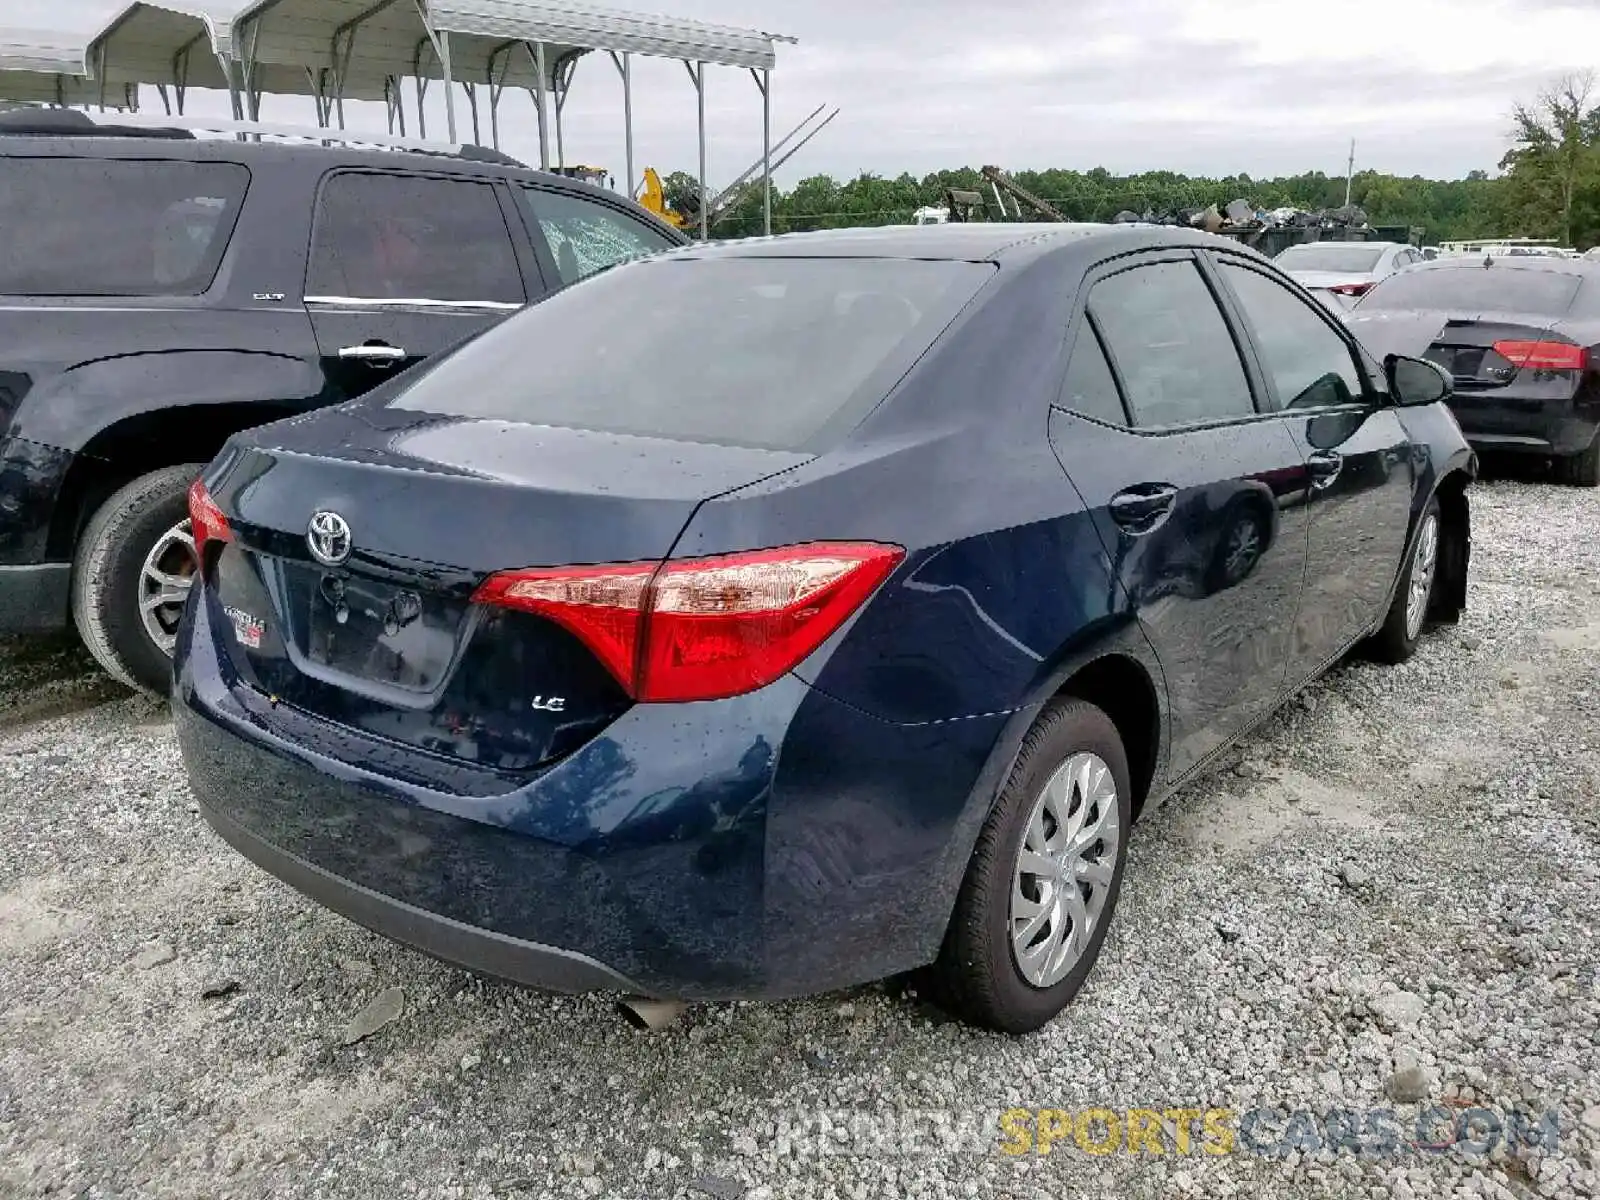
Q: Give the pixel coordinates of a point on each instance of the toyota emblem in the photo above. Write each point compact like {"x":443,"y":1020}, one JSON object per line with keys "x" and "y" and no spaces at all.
{"x":328,"y":537}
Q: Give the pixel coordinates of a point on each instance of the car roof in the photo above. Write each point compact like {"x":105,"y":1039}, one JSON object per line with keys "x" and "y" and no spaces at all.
{"x":229,"y":149}
{"x":955,"y":242}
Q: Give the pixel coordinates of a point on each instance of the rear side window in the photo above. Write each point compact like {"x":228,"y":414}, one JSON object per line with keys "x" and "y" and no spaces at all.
{"x":115,"y":227}
{"x":585,"y":237}
{"x":1175,"y":353}
{"x":393,"y":238}
{"x":1476,"y":288}
{"x":1091,"y":389}
{"x":777,"y":353}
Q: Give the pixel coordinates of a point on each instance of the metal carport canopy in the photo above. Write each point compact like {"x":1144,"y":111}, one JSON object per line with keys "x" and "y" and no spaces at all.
{"x":533,"y":44}
{"x":46,"y":67}
{"x":169,"y":43}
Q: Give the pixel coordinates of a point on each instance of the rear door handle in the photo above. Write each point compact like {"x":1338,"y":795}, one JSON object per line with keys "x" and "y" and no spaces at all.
{"x":1324,"y":466}
{"x":374,"y":354}
{"x":1139,"y":508}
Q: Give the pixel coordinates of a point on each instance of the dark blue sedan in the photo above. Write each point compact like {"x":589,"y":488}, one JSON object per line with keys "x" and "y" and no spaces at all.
{"x":765,"y":618}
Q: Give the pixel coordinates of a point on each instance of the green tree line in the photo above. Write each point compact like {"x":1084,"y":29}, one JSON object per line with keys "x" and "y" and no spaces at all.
{"x":1548,"y":187}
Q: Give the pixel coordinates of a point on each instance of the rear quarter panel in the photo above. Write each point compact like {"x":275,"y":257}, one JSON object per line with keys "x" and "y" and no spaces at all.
{"x":923,"y":699}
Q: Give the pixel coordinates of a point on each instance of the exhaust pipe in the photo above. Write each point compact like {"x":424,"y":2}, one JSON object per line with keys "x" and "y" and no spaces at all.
{"x":644,"y":1013}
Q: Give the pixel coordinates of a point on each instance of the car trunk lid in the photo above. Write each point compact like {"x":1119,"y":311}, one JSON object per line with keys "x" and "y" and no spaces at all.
{"x":379,"y":631}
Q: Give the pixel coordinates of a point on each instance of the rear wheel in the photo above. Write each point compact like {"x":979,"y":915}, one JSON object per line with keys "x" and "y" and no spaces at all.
{"x":1408,"y":614}
{"x":1043,"y":881}
{"x":1581,"y":469}
{"x":131,"y":576}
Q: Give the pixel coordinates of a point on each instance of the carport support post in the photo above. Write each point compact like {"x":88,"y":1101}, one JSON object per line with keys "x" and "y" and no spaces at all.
{"x":697,"y":72}
{"x":422,"y":86}
{"x":449,"y":86}
{"x":100,"y":70}
{"x":764,"y":82}
{"x":624,"y":64}
{"x":540,"y":82}
{"x":226,"y":64}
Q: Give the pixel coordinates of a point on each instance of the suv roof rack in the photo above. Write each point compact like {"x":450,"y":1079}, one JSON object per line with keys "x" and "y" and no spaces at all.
{"x":73,"y":123}
{"x":69,"y":122}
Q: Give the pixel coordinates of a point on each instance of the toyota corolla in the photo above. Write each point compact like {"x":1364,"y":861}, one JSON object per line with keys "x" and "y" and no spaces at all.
{"x":765,"y":618}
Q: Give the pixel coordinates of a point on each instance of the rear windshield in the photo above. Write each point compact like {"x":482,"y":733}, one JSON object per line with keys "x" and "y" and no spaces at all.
{"x":777,"y":353}
{"x":1477,"y":289}
{"x":1357,"y":259}
{"x":115,"y":227}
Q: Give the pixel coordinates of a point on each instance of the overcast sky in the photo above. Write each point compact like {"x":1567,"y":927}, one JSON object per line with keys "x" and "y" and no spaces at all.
{"x":1206,"y":87}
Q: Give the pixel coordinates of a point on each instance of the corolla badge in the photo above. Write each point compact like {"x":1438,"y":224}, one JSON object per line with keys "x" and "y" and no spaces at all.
{"x":328,"y":537}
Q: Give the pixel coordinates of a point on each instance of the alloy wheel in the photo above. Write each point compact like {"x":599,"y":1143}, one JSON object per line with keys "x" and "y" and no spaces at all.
{"x":164,"y":583}
{"x":1244,"y":547}
{"x":1422,"y":568}
{"x":1064,"y":869}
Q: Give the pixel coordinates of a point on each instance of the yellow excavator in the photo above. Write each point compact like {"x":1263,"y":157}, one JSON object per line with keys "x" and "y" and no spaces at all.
{"x":653,"y":197}
{"x":652,"y":194}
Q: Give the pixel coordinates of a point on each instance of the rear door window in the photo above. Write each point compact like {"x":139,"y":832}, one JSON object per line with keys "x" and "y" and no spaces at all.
{"x":391,"y":238}
{"x":1310,"y":364}
{"x":1175,"y":353}
{"x":115,"y":227}
{"x":585,"y":237}
{"x":1091,"y":389}
{"x":777,"y":353}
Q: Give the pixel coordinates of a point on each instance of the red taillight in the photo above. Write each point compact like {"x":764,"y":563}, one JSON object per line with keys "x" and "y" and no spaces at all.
{"x":1351,"y":289}
{"x":206,"y":522}
{"x":602,"y":606}
{"x":1544,"y":356}
{"x":704,"y":628}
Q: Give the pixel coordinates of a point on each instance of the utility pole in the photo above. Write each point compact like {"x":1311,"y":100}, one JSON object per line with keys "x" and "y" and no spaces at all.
{"x":1350,"y":173}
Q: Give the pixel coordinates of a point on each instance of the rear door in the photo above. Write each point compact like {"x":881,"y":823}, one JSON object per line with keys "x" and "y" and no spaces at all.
{"x":1197,"y":492}
{"x":402,"y":266}
{"x":578,"y":235}
{"x":1363,"y":472}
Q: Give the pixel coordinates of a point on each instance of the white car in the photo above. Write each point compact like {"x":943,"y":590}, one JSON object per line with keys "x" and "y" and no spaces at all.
{"x":1340,"y":273}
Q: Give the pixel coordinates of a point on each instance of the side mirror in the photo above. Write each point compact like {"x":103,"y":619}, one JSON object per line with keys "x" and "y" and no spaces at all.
{"x":1416,"y":381}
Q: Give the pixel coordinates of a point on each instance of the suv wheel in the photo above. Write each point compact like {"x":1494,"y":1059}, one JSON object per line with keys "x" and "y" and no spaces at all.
{"x":132,"y":574}
{"x":1044,"y":878}
{"x":1581,"y":469}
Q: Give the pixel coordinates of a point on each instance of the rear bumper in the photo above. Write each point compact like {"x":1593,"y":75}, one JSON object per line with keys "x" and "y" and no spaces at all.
{"x":466,"y":946}
{"x":777,"y":844}
{"x":1509,"y":425}
{"x":34,"y":598}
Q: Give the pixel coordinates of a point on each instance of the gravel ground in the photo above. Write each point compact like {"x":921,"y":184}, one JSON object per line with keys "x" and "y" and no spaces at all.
{"x":1394,"y":895}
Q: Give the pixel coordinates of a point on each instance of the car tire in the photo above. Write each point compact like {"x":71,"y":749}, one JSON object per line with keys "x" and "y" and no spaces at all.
{"x":109,"y":582}
{"x":1232,"y":562}
{"x":979,"y":976}
{"x":1581,"y":469}
{"x":1402,"y":628}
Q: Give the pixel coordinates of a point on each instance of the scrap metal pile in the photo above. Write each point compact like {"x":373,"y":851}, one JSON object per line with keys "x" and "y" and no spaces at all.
{"x":1241,"y":217}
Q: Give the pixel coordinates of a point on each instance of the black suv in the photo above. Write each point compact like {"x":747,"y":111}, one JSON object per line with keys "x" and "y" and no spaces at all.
{"x":160,"y":291}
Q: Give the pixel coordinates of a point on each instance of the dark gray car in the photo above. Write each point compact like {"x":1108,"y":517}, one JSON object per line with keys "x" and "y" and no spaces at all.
{"x":1519,"y":336}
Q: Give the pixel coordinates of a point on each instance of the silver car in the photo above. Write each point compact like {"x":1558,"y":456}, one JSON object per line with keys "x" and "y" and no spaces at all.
{"x":1340,"y":273}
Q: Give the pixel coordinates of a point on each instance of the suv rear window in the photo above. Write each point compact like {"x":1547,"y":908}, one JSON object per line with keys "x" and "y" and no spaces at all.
{"x":776,"y":353}
{"x":115,"y":227}
{"x":1478,"y":289}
